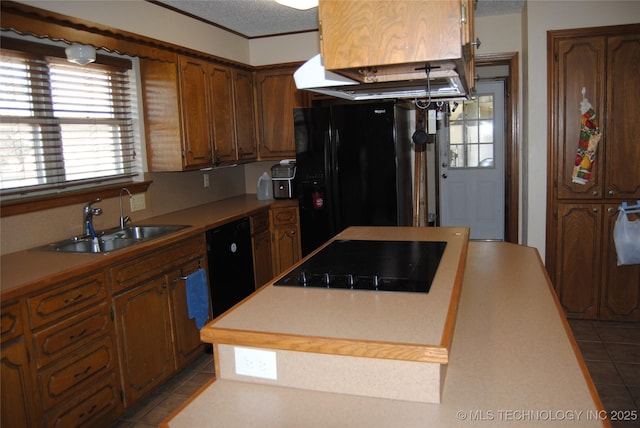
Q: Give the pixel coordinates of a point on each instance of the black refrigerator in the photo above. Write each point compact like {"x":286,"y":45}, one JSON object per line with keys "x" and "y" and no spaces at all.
{"x":353,"y":168}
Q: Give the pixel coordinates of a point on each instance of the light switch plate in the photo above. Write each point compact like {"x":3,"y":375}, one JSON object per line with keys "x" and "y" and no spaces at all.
{"x":137,"y":202}
{"x":256,"y":363}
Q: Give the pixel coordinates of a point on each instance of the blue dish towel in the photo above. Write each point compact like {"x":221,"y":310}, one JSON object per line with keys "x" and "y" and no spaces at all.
{"x":198,"y":297}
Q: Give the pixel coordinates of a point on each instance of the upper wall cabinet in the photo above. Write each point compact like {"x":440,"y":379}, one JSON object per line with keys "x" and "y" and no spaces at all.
{"x":277,"y":97}
{"x":245,"y":114}
{"x":370,"y":40}
{"x":197,"y":113}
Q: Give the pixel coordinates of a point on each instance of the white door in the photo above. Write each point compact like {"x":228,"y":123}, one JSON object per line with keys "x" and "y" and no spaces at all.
{"x":471,"y":164}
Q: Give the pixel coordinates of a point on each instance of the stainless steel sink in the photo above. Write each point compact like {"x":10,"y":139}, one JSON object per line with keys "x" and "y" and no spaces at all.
{"x":112,"y":239}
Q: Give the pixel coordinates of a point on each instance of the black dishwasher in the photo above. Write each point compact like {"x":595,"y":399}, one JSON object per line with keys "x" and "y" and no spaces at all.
{"x":230,"y":264}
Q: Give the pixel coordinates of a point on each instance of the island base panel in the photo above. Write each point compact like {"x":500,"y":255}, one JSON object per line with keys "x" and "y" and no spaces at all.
{"x":369,"y":377}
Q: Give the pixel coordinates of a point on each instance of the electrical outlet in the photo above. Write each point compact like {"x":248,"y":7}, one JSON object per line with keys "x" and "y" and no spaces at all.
{"x":137,"y":202}
{"x":256,"y":363}
{"x":205,"y":179}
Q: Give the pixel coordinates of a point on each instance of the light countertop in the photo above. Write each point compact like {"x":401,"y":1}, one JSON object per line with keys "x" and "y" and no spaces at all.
{"x":26,"y":271}
{"x":513,"y":362}
{"x":356,"y":322}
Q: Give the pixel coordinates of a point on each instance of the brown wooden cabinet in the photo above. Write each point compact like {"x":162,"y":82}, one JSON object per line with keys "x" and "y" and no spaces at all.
{"x":162,"y":118}
{"x":74,"y":352}
{"x":581,"y":257}
{"x":245,"y":114}
{"x":18,"y":405}
{"x":144,"y":336}
{"x":222,"y":113}
{"x":261,"y":241}
{"x":154,"y":338}
{"x":197,"y":127}
{"x":197,"y":114}
{"x":393,"y":40}
{"x":277,"y":96}
{"x":285,"y":236}
{"x":187,"y":343}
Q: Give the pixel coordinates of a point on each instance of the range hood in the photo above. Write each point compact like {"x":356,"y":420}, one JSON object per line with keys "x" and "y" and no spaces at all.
{"x":443,"y":83}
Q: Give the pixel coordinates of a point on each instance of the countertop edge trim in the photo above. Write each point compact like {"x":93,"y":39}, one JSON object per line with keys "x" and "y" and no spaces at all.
{"x":327,"y":345}
{"x":452,"y":313}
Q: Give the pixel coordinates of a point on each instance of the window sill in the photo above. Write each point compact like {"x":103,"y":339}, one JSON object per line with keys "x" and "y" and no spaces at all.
{"x":23,"y":206}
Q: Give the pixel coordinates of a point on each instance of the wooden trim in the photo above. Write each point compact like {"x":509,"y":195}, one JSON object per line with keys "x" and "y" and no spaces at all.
{"x":452,"y":313}
{"x":512,"y":141}
{"x":38,"y":203}
{"x":327,"y":345}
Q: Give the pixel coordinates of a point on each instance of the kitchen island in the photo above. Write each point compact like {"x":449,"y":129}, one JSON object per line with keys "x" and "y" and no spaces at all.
{"x":512,"y":361}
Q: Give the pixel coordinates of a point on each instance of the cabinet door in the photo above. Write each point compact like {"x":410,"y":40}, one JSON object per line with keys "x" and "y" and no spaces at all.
{"x":581,"y":63}
{"x":144,"y":336}
{"x":186,"y":334}
{"x":198,"y":147}
{"x":262,"y":267}
{"x":578,"y":259}
{"x":620,"y":295}
{"x":245,"y":114}
{"x":162,"y":125}
{"x":371,"y":33}
{"x":277,"y":97}
{"x":221,"y":104}
{"x":286,"y":246}
{"x":18,"y":408}
{"x":622,"y":176}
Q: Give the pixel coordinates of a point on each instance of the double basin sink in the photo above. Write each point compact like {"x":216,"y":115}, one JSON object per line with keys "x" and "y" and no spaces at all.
{"x":112,"y":239}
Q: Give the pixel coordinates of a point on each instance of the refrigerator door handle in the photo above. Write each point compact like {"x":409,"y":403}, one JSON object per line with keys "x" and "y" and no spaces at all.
{"x":335,"y":180}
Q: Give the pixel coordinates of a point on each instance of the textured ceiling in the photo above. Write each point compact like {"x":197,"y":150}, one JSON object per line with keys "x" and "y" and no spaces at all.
{"x":261,"y":18}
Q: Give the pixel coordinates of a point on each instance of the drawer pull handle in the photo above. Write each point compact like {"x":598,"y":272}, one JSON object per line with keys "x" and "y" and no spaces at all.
{"x":73,"y":299}
{"x":82,"y":373}
{"x":89,"y":411}
{"x":75,"y":336}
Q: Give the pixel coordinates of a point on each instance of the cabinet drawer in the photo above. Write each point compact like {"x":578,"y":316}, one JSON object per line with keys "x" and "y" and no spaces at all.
{"x":284,"y":216}
{"x":11,"y":321}
{"x":98,"y":406}
{"x":259,"y":222}
{"x":73,"y":374}
{"x":143,"y":268}
{"x":66,"y":299}
{"x":67,"y":336}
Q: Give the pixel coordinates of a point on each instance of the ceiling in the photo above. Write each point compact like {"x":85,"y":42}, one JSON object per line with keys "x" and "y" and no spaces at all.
{"x":262,"y":18}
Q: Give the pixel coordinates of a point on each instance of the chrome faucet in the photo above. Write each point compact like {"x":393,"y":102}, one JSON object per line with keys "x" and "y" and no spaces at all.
{"x":124,"y":220}
{"x":87,"y":213}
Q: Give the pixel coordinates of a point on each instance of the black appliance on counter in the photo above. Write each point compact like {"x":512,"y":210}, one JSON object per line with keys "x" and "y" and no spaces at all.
{"x":230,"y":259}
{"x":353,"y":168}
{"x":408,"y":266}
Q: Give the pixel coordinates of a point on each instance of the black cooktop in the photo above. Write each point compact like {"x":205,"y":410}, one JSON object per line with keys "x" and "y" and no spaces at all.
{"x":407,"y":266}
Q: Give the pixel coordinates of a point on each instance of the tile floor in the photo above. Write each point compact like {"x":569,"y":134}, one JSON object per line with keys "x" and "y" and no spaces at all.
{"x":155,"y":408}
{"x":611,"y":351}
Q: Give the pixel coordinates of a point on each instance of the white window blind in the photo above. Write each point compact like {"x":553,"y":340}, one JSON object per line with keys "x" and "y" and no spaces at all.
{"x":63,"y":125}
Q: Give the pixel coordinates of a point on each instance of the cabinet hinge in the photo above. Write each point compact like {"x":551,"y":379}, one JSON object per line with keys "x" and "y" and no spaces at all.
{"x":121,"y":395}
{"x":184,"y":154}
{"x":463,"y":13}
{"x":112,"y":313}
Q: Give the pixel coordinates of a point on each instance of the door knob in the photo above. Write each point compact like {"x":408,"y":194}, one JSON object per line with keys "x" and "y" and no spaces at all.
{"x":444,"y":175}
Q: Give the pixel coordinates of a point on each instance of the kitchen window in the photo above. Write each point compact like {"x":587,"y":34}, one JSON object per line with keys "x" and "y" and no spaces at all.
{"x":64,"y":126}
{"x":471,"y":138}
